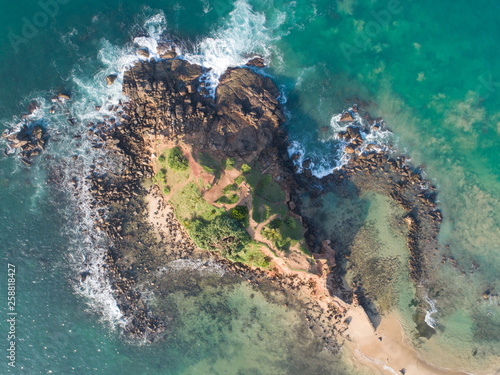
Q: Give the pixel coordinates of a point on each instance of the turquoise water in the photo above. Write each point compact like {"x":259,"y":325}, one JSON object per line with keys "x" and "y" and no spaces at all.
{"x":432,"y":72}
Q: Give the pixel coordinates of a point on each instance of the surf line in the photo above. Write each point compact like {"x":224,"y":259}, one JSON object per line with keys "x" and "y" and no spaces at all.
{"x":429,"y":320}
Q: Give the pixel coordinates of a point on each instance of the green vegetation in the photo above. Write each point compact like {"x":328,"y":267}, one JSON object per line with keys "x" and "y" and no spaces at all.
{"x":228,"y":199}
{"x":176,"y":160}
{"x":245,"y":168}
{"x":269,"y":190}
{"x":226,"y":236}
{"x":209,"y":165}
{"x":161,"y":175}
{"x":222,"y":234}
{"x":290,"y":222}
{"x":261,"y":211}
{"x":239,"y":213}
{"x":285,"y":233}
{"x":188,"y":204}
{"x":272,"y":234}
{"x":215,"y":229}
{"x":228,"y":163}
{"x":238,"y":180}
{"x":231,"y":187}
{"x":253,"y":255}
{"x":229,"y":196}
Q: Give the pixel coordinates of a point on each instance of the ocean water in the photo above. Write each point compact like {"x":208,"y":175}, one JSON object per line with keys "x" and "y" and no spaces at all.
{"x":431,"y":71}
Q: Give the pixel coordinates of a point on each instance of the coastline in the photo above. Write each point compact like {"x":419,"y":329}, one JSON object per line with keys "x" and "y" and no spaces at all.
{"x":130,"y":202}
{"x":323,"y":305}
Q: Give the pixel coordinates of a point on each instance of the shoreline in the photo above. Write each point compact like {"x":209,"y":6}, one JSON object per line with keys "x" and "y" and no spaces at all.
{"x":129,"y":200}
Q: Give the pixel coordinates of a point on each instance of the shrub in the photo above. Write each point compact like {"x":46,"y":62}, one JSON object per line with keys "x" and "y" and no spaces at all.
{"x":176,"y":160}
{"x":238,"y":180}
{"x":162,"y":173}
{"x":166,"y":189}
{"x":232,"y":199}
{"x":229,"y":163}
{"x":245,"y":168}
{"x":275,"y":224}
{"x":271,"y":234}
{"x":223,"y":234}
{"x":228,"y":188}
{"x":162,"y":158}
{"x":239,"y":213}
{"x":290,"y":222}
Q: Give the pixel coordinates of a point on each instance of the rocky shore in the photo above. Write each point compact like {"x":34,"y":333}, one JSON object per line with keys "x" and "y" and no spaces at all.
{"x":170,"y":103}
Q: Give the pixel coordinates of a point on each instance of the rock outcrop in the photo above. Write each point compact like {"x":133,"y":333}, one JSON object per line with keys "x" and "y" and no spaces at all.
{"x":168,"y":99}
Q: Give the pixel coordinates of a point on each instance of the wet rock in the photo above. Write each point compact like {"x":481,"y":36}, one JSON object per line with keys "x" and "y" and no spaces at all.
{"x":257,"y":62}
{"x":143,"y":52}
{"x":346,"y":117}
{"x":33,"y":106}
{"x":111,"y":79}
{"x":63,"y":97}
{"x":350,"y":149}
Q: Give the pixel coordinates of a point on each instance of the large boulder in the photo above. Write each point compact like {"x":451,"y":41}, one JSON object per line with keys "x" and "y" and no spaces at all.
{"x":168,"y":96}
{"x":248,"y":113}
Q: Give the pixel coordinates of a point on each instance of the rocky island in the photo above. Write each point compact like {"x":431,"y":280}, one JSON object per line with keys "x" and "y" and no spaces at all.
{"x":208,"y":184}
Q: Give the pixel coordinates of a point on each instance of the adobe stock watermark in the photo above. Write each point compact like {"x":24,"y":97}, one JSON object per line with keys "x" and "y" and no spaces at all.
{"x":31,"y":27}
{"x":381,"y":19}
{"x":222,"y":7}
{"x":487,"y":86}
{"x":11,"y":315}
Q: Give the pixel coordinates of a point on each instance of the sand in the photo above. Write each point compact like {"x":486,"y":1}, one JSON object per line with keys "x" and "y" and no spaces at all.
{"x":387,"y":348}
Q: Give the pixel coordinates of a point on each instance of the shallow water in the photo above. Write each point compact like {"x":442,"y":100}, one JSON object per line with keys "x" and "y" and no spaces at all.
{"x":430,"y":71}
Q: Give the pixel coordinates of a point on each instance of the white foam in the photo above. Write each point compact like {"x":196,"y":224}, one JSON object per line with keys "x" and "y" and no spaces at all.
{"x":324,"y":164}
{"x":431,"y":322}
{"x":246,"y":34}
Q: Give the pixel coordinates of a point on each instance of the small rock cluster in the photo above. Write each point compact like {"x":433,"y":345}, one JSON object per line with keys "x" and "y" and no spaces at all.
{"x":28,"y":141}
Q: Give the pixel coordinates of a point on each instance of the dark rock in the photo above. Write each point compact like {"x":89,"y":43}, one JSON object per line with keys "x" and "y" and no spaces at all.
{"x":111,"y":79}
{"x":257,"y":62}
{"x":33,"y":106}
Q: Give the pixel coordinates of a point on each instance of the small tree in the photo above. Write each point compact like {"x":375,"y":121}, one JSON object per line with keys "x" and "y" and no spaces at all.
{"x":176,"y":160}
{"x":239,"y":213}
{"x":245,"y":168}
{"x":290,"y":222}
{"x":222,"y":234}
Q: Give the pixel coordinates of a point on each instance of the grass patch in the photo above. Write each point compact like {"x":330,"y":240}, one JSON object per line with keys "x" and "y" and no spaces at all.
{"x":238,"y":180}
{"x":231,"y":187}
{"x":269,"y":190}
{"x":245,"y":168}
{"x":209,"y":164}
{"x":189,"y":204}
{"x":229,"y":199}
{"x":229,"y":163}
{"x":254,"y":256}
